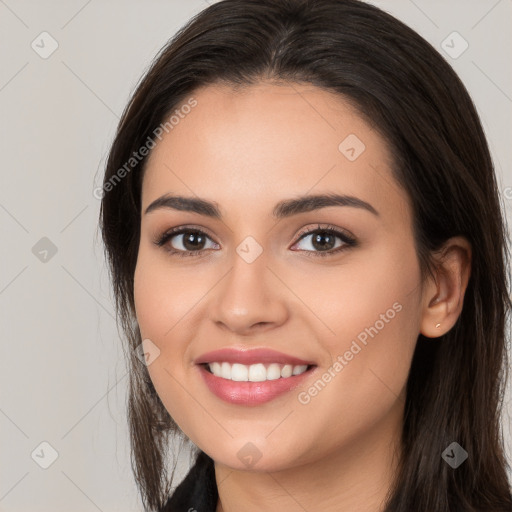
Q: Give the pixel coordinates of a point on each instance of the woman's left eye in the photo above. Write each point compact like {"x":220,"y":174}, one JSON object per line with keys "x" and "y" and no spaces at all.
{"x":192,"y":241}
{"x":326,"y":236}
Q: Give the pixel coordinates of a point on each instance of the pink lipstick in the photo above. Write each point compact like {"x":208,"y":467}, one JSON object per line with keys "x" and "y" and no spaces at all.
{"x":252,"y":377}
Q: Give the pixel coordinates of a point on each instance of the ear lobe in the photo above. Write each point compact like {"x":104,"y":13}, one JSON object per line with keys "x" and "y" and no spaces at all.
{"x":445,"y":294}
{"x":433,"y":322}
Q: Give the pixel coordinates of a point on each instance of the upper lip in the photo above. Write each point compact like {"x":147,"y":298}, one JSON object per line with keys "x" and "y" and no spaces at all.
{"x":250,"y":356}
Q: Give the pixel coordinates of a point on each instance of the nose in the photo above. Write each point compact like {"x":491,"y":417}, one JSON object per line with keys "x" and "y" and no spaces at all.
{"x":250,"y":298}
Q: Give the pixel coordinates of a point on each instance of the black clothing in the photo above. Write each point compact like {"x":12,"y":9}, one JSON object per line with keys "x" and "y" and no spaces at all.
{"x":198,"y":491}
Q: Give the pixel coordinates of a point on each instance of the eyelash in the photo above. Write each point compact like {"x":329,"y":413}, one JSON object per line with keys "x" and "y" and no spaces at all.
{"x":348,"y":240}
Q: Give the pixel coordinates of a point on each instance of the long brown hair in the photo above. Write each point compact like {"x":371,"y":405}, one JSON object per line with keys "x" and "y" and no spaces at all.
{"x":402,"y":85}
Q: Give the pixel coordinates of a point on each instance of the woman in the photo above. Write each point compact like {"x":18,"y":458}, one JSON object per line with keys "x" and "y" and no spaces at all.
{"x":304,"y":233}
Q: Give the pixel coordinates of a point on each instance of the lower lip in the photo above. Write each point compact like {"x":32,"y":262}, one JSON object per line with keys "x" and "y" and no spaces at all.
{"x":251,"y":393}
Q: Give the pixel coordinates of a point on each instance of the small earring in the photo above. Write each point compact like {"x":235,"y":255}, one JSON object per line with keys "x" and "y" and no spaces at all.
{"x":438,"y":325}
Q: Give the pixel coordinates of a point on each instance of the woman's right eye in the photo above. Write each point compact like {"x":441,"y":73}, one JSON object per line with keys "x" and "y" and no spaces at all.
{"x":190,"y":241}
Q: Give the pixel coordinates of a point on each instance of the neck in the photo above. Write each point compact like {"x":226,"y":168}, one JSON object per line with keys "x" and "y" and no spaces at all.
{"x":355,"y":478}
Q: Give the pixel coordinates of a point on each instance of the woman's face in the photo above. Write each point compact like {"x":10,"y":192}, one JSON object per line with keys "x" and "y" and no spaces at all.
{"x":258,"y":281}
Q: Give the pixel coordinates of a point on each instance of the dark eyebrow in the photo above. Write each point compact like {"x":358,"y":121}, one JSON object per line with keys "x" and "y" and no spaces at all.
{"x":285,"y":208}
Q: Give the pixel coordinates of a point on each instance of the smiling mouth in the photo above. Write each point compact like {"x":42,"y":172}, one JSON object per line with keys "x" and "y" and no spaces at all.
{"x":258,"y":372}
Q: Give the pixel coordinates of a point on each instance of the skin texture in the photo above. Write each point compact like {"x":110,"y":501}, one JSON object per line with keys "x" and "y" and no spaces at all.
{"x":246,"y":150}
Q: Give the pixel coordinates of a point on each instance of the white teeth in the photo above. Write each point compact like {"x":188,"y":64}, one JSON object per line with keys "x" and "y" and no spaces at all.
{"x":225,"y":372}
{"x":287,"y":370}
{"x":239,"y":372}
{"x":217,"y":368}
{"x":297,"y":370}
{"x":255,"y":372}
{"x":273,"y":372}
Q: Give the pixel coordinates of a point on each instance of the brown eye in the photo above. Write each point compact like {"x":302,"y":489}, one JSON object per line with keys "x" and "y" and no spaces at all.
{"x":184,"y":241}
{"x":323,"y":241}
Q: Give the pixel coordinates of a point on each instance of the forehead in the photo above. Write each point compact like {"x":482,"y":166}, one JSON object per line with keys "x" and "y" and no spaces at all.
{"x":268,"y":141}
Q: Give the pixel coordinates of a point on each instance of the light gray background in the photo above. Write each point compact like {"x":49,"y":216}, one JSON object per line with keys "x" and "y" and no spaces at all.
{"x":62,"y":374}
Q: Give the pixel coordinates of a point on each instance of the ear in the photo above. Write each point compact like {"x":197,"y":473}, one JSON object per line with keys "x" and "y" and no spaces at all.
{"x":443,"y":297}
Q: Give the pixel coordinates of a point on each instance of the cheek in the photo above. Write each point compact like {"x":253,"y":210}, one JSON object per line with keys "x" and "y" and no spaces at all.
{"x":148,"y":294}
{"x":164,"y":296}
{"x":160,"y":303}
{"x":372,"y":295}
{"x":169,"y":307}
{"x":371,"y":354}
{"x":373,"y":315}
